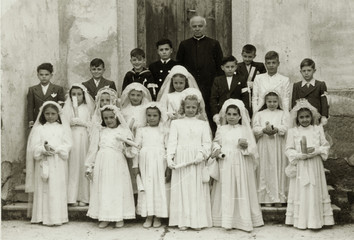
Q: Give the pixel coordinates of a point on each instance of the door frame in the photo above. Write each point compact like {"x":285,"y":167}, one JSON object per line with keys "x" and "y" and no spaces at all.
{"x":223,"y":24}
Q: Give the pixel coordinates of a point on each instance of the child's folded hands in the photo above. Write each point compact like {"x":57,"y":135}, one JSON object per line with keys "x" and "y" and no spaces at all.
{"x":243,"y":143}
{"x":89,"y":173}
{"x":170,"y":163}
{"x":199,"y":158}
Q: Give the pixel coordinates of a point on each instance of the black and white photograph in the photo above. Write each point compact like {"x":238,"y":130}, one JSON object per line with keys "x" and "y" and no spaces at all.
{"x":177,"y":119}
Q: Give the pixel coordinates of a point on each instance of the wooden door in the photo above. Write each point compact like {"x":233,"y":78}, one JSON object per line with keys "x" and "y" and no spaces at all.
{"x":170,"y":19}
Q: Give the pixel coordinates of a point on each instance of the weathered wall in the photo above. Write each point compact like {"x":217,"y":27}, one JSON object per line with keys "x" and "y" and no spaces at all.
{"x":67,"y":33}
{"x":319,"y":29}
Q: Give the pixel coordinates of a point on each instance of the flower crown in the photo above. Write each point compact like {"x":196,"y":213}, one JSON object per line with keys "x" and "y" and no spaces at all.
{"x":106,"y":89}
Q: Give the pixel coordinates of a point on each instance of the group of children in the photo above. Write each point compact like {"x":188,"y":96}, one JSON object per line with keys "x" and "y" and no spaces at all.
{"x":158,"y":159}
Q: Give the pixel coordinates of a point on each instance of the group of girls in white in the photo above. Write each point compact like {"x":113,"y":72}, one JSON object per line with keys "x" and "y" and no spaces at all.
{"x":103,"y":153}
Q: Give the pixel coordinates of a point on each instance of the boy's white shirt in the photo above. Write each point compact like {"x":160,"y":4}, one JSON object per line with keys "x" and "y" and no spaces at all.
{"x":96,"y":82}
{"x":265,"y":83}
{"x":165,"y":61}
{"x":304,"y":82}
{"x":45,"y":88}
{"x":229,"y":80}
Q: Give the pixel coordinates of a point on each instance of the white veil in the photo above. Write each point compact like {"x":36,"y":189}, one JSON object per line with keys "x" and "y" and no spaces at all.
{"x":96,"y":118}
{"x":245,"y":122}
{"x":95,"y":134}
{"x":166,"y":87}
{"x":30,"y":178}
{"x":303,"y":103}
{"x":68,"y":109}
{"x":194,"y":92}
{"x":138,"y":87}
{"x":262,"y":101}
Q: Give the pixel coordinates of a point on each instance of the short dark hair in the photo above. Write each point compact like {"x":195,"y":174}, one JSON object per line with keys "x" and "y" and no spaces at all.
{"x":103,"y":124}
{"x":97,"y":62}
{"x":304,"y":110}
{"x":42,"y":119}
{"x":249,"y":48}
{"x":228,"y":59}
{"x":76,"y":87}
{"x":233,"y":106}
{"x":271,"y":55}
{"x":172,"y":89}
{"x":45,"y":66}
{"x":137,"y":52}
{"x":308,"y":62}
{"x":164,"y":41}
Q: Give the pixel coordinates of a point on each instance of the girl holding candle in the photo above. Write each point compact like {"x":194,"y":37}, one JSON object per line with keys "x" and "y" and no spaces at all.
{"x":309,"y":204}
{"x":78,"y":109}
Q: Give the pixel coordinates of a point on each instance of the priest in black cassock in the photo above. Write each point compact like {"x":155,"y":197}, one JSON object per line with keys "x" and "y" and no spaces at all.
{"x":202,"y":57}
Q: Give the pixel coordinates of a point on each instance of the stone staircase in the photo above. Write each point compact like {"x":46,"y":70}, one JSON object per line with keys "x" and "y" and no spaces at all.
{"x":18,"y":209}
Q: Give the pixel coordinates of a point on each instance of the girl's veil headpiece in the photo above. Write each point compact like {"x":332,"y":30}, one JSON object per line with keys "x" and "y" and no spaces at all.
{"x":68,"y":111}
{"x":138,"y":87}
{"x":96,"y":117}
{"x":29,"y":186}
{"x":245,"y":122}
{"x":165,"y":88}
{"x":262,"y":102}
{"x":195,"y":92}
{"x":300,"y":104}
{"x":117,"y":113}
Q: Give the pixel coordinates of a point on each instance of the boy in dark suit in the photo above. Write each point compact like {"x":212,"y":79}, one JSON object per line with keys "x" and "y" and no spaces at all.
{"x":97,"y":81}
{"x":140,"y":73}
{"x":45,"y":91}
{"x":162,"y":67}
{"x":313,"y":90}
{"x":230,"y":85}
{"x":245,"y":67}
{"x":249,"y":68}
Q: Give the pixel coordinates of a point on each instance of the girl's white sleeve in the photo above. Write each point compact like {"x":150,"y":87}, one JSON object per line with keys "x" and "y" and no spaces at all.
{"x":286,"y":94}
{"x":206,"y":141}
{"x":129,"y":152}
{"x":324,"y":144}
{"x":93,"y":148}
{"x":172,"y":141}
{"x":217,"y":140}
{"x":255,"y":95}
{"x":290,"y":150}
{"x":37,"y":145}
{"x":284,"y":123}
{"x":138,"y":140}
{"x":64,"y":149}
{"x":257,"y":125}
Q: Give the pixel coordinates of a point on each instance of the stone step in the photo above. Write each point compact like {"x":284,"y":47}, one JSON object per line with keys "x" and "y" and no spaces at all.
{"x":19,"y":194}
{"x":18,"y":211}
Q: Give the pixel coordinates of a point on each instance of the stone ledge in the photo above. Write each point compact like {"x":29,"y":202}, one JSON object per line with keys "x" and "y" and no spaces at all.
{"x":18,"y":211}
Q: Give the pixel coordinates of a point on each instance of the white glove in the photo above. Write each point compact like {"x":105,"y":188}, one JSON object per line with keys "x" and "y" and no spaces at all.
{"x":216,"y":119}
{"x":324,"y":120}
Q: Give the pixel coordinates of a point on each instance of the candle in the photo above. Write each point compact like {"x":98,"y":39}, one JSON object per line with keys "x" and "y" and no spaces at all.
{"x":303,"y":143}
{"x":75,"y":106}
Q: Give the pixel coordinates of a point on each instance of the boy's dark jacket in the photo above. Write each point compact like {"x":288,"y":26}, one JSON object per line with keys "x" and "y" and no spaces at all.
{"x":92,"y":89}
{"x":160,"y":71}
{"x":36,"y":98}
{"x":241,"y":69}
{"x":144,"y":77}
{"x":316,"y":95}
{"x":220,"y":92}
